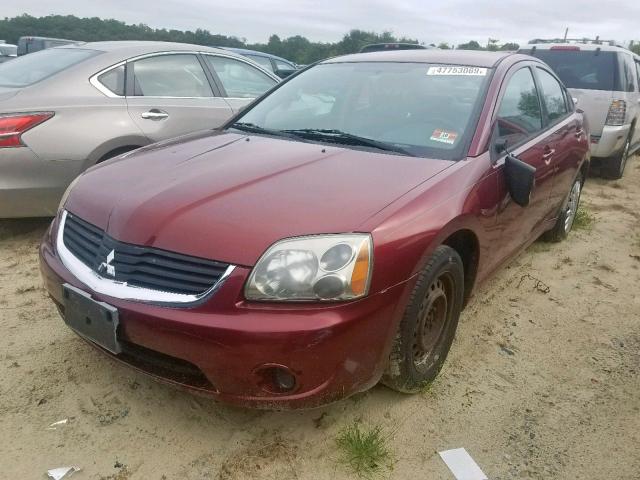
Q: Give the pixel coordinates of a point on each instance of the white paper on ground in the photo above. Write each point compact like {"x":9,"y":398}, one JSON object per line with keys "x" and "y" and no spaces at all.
{"x":61,"y":472}
{"x":462,"y":465}
{"x":59,"y":423}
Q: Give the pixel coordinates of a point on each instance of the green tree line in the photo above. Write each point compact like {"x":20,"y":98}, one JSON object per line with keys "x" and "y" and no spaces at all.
{"x":296,"y":48}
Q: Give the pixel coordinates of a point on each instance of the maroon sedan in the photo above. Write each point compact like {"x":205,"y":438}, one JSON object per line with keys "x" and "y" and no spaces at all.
{"x":328,"y":237}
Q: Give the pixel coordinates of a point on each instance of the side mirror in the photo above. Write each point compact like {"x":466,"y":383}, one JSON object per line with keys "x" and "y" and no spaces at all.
{"x":282,"y":73}
{"x":520,"y":178}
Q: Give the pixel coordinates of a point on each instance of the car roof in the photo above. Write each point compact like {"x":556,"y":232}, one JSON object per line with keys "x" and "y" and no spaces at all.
{"x":471,"y":58}
{"x":246,"y":51}
{"x":129,"y":48}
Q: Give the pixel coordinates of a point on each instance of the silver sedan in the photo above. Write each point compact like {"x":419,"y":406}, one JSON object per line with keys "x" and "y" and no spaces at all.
{"x":65,"y":109}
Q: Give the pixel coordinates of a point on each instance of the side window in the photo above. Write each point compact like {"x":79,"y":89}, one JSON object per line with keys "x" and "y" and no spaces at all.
{"x":552,"y":95}
{"x":280,"y":65}
{"x":628,"y":83}
{"x":638,"y":72}
{"x":239,"y":79}
{"x":519,"y":115}
{"x":170,"y":76}
{"x":264,"y":62}
{"x":114,"y":80}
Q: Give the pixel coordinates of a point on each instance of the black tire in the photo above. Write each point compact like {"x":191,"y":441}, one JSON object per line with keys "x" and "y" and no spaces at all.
{"x":115,"y":153}
{"x":613,"y":168}
{"x":429,"y":323}
{"x":567,"y":214}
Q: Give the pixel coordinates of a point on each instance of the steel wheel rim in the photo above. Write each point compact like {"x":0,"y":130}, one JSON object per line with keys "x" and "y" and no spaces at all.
{"x":572,"y":205}
{"x":433,"y":316}
{"x":625,"y":156}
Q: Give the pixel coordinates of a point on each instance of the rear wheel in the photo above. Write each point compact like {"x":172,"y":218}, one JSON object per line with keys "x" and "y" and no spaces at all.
{"x":613,"y":168}
{"x":429,"y":323}
{"x":115,"y":153}
{"x":567,"y":213}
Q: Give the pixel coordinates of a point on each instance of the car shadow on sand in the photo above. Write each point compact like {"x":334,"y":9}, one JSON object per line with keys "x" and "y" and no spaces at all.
{"x":13,"y":227}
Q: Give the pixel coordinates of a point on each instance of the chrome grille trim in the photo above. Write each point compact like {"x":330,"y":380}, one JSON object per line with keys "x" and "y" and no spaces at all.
{"x":123,"y":290}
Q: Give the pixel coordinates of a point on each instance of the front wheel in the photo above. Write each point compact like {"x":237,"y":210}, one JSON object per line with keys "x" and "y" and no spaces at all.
{"x":429,"y":323}
{"x":567,"y":213}
{"x":613,"y":168}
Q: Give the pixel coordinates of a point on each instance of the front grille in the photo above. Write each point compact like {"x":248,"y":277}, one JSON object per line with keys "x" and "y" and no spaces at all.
{"x":139,"y":266}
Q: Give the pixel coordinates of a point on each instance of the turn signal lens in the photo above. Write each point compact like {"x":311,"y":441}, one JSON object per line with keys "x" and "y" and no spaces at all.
{"x":14,"y":125}
{"x":617,"y":113}
{"x":360,"y":275}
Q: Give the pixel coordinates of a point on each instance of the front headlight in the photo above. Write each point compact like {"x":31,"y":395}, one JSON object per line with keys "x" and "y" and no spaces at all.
{"x":314,"y":268}
{"x":65,"y":195}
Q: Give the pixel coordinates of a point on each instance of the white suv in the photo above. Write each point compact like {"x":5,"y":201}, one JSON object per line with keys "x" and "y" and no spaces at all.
{"x":604,"y":79}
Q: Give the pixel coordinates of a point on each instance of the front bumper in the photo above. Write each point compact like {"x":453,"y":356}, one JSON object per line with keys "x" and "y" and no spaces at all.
{"x":31,"y":186}
{"x":610,"y":141}
{"x":218,"y":347}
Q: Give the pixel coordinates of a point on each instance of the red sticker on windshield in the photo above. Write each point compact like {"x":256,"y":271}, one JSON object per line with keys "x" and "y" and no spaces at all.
{"x":443,"y":136}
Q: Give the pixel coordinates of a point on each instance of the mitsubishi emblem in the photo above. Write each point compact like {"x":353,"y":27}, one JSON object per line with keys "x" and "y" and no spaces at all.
{"x":106,"y":266}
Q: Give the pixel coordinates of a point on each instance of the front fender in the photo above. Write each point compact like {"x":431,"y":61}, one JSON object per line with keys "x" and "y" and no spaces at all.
{"x":409,"y":234}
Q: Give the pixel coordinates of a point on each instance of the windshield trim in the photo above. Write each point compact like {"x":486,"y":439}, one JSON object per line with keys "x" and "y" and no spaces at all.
{"x":466,"y":137}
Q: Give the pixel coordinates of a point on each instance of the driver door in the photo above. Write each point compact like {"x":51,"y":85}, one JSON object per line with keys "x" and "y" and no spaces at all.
{"x":519,"y":120}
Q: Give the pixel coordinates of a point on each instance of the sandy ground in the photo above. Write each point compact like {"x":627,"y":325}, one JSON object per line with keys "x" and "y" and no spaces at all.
{"x":537,"y":385}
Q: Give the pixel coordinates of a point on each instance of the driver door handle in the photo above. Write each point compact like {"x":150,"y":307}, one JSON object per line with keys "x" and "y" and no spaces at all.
{"x":155,"y":114}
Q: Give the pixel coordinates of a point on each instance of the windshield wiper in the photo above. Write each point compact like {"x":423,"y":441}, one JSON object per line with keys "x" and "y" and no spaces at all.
{"x":346,"y":138}
{"x":253,"y":128}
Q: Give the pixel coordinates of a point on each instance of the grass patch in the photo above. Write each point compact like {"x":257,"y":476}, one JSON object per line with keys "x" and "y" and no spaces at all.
{"x":584,"y":220}
{"x":364,"y":451}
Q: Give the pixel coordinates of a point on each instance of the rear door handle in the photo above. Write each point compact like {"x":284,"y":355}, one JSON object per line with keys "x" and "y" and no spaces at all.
{"x":579,"y":133}
{"x":548,"y":153}
{"x":155,"y":114}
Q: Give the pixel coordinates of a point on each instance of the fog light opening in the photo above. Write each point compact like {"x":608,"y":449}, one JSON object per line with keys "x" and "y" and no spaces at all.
{"x":276,"y":379}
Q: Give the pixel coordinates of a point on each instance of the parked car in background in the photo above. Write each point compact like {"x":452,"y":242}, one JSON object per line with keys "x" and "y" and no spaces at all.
{"x":65,"y":109}
{"x":35,"y":44}
{"x":605,"y":80}
{"x":278,"y":65}
{"x":7,"y":51}
{"x":328,"y":236}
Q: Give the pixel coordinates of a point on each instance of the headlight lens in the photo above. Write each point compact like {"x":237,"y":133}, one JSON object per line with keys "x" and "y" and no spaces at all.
{"x":314,"y":268}
{"x":65,"y":195}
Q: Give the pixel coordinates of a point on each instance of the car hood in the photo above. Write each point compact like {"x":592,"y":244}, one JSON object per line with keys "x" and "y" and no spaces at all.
{"x":229,"y":196}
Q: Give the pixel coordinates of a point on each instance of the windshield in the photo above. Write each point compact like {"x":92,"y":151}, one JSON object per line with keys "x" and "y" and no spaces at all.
{"x":415,"y":108}
{"x":585,"y":69}
{"x":34,"y":67}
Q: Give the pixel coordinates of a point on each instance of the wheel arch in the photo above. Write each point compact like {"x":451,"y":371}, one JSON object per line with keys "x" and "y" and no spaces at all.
{"x":463,"y":235}
{"x":466,"y":243}
{"x":113,"y":147}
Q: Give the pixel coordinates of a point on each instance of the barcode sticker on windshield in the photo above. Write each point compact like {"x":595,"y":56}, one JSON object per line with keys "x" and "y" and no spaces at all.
{"x":453,"y":70}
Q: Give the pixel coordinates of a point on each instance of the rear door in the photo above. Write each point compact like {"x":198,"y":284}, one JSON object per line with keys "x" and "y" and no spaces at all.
{"x":567,"y":138}
{"x":170,"y":94}
{"x":519,"y":120}
{"x":239,"y":81}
